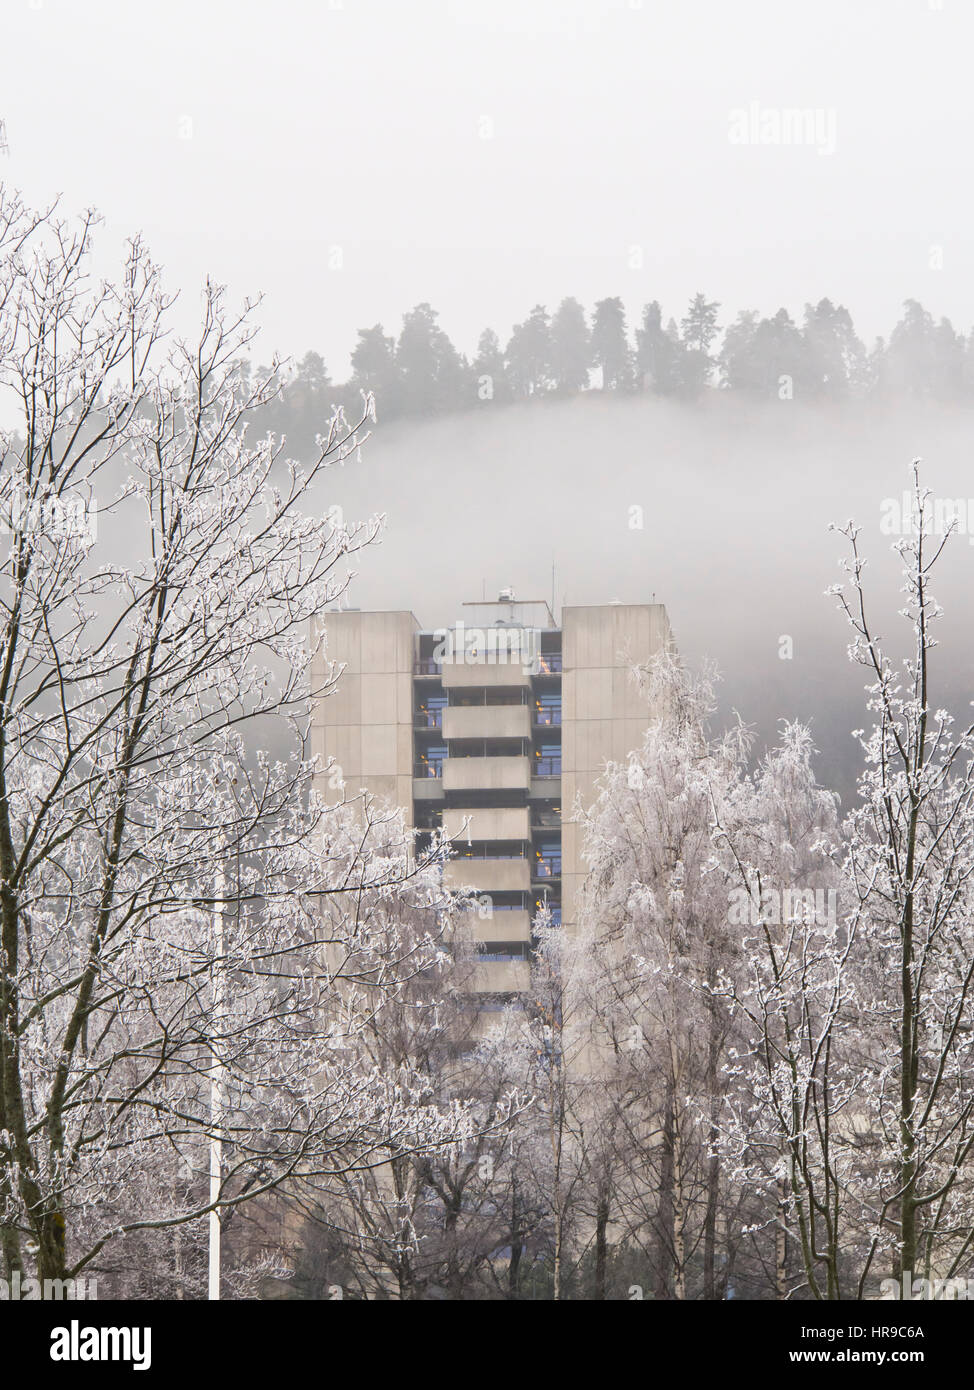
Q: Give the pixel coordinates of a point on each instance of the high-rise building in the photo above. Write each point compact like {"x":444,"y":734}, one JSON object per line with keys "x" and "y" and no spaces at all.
{"x":495,"y":729}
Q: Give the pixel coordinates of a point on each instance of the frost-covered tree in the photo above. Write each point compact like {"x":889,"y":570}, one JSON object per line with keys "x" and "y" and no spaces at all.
{"x":653,"y":940}
{"x":910,"y":875}
{"x":169,"y":973}
{"x":421,"y":1223}
{"x":856,"y":1083}
{"x":788,"y":1074}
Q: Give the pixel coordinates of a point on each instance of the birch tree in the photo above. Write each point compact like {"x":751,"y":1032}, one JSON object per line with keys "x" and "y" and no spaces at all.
{"x":654,"y":938}
{"x":861,"y":1023}
{"x":909,"y":868}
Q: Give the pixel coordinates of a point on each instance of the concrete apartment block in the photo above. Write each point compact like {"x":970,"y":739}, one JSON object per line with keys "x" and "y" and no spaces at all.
{"x":493,"y":735}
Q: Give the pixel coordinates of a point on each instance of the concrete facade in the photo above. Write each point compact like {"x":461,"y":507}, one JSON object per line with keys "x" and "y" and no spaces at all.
{"x":604,"y":713}
{"x":366,"y":723}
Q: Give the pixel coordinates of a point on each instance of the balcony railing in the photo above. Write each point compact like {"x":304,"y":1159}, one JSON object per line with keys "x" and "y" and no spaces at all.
{"x":431,"y":769}
{"x":546,"y":767}
{"x":427,"y":666}
{"x":483,"y":854}
{"x":549,"y":663}
{"x":429,"y":719}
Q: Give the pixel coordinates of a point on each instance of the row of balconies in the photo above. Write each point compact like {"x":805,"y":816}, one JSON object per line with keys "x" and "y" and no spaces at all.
{"x":489,"y":774}
{"x":461,"y":674}
{"x":500,"y":875}
{"x":489,"y":721}
{"x":482,"y":825}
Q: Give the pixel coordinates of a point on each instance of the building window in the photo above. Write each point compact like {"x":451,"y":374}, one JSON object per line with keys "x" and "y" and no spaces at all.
{"x":431,"y":761}
{"x":547,"y":760}
{"x":547,"y":710}
{"x":430,"y":712}
{"x":547,"y":859}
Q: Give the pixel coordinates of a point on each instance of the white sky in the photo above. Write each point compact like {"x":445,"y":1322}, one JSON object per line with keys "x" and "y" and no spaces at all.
{"x":357,"y":123}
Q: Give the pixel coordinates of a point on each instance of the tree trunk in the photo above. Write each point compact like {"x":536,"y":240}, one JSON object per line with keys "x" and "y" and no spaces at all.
{"x":665,"y":1209}
{"x":713,"y":1162}
{"x":601,"y":1244}
{"x":781,"y":1245}
{"x":517,"y":1250}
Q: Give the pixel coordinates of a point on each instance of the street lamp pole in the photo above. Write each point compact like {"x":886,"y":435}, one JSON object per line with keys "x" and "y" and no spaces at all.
{"x":216,"y":1089}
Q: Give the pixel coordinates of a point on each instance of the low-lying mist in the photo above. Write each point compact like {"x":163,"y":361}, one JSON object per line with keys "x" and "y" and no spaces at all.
{"x":720,"y":511}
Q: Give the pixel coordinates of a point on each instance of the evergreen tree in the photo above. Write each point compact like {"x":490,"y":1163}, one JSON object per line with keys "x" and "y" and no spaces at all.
{"x":835,"y":358}
{"x":765,"y":357}
{"x":610,"y":345}
{"x":912,"y":353}
{"x":307,"y":401}
{"x":570,"y":348}
{"x":658,"y":353}
{"x":949,"y":362}
{"x":431,"y":371}
{"x":374,"y":369}
{"x":489,"y":371}
{"x":529,"y":354}
{"x":698,"y":329}
{"x":739,"y":369}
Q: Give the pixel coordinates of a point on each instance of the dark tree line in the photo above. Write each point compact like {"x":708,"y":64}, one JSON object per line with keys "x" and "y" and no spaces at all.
{"x":421,"y":374}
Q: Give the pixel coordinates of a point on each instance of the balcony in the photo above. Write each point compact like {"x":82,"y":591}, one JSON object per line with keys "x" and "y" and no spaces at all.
{"x":428,"y":719}
{"x":427,"y":788}
{"x":488,"y":823}
{"x":486,"y":774}
{"x":502,"y":977}
{"x":488,"y":875}
{"x":433,"y":768}
{"x":462,"y":675}
{"x":502,"y":925}
{"x":487,"y":721}
{"x":549,"y":664}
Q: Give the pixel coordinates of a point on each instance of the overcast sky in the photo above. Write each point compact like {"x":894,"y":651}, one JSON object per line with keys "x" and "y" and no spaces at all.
{"x":486,"y":155}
